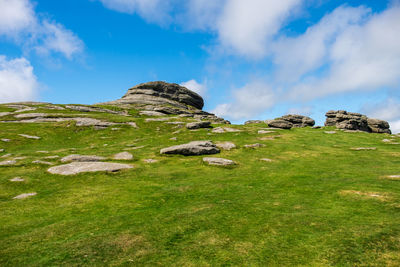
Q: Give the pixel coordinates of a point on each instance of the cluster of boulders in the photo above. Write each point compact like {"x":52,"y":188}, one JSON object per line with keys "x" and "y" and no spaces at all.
{"x":287,"y":122}
{"x":355,"y":122}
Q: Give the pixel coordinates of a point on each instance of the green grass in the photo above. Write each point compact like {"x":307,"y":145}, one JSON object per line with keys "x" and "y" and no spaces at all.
{"x":310,"y":206}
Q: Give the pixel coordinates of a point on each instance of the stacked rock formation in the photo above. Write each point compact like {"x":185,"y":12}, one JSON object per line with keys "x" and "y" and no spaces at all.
{"x":291,"y":120}
{"x":166,"y":98}
{"x":355,"y":122}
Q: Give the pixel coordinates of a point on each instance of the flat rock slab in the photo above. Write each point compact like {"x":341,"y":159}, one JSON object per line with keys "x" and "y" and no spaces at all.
{"x":157,"y":119}
{"x":150,"y":160}
{"x":17,"y":179}
{"x":151,"y":113}
{"x":265,"y":132}
{"x":8,"y":163}
{"x":25,"y":195}
{"x":225,"y":130}
{"x":192,"y":149}
{"x":30,"y":136}
{"x":362,"y":148}
{"x":41,"y":162}
{"x":82,"y":158}
{"x":81,"y":167}
{"x":5,"y":140}
{"x":226,"y":145}
{"x":218,"y":161}
{"x":257,"y":145}
{"x":123,"y":156}
{"x":394,"y":177}
{"x":266,"y":160}
{"x":330,"y":132}
{"x":198,"y":125}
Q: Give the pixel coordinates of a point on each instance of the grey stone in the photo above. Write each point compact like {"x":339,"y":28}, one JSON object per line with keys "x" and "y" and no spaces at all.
{"x":151,"y":113}
{"x":30,"y":136}
{"x":298,"y":120}
{"x":82,"y":158}
{"x":225,"y":130}
{"x":218,"y":161}
{"x":52,"y":157}
{"x":5,"y":140}
{"x":123,"y":156}
{"x":93,"y":109}
{"x":264,"y":132}
{"x":226,"y":145}
{"x":82,"y":167}
{"x":257,"y":145}
{"x":395,"y":177}
{"x":266,"y":160}
{"x":282,"y":124}
{"x":150,"y":160}
{"x":192,"y":148}
{"x":133,"y":124}
{"x":2,"y":114}
{"x":8,"y":162}
{"x":363,"y":148}
{"x":1,"y":149}
{"x":253,"y":122}
{"x":157,"y":119}
{"x":17,"y":179}
{"x":316,"y":127}
{"x":198,"y":125}
{"x":42,"y":162}
{"x":25,"y":195}
{"x":330,"y":132}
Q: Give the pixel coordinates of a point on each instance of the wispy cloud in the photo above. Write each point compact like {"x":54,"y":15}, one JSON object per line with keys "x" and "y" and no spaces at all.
{"x":199,"y":88}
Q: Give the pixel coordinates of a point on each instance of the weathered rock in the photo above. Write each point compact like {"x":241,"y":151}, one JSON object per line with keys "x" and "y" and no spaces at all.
{"x":30,"y":136}
{"x":1,"y":150}
{"x":82,"y":158}
{"x":253,"y":122}
{"x":8,"y":162}
{"x":151,"y":113}
{"x":123,"y":156}
{"x":150,"y":160}
{"x":17,"y":179}
{"x":282,"y":124}
{"x":41,"y":162}
{"x":226,"y":145}
{"x":355,"y":121}
{"x":316,"y":127}
{"x":157,"y":119}
{"x":225,"y":130}
{"x":2,"y":114}
{"x":25,"y":195}
{"x":264,"y":132}
{"x":363,"y":148}
{"x":81,"y":167}
{"x":394,"y":177}
{"x":93,"y":109}
{"x":198,"y":125}
{"x":133,"y":124}
{"x":5,"y":140}
{"x":266,"y":160}
{"x":330,"y":132}
{"x":218,"y":161}
{"x":257,"y":145}
{"x":298,"y":120}
{"x":161,"y":93}
{"x":192,"y":148}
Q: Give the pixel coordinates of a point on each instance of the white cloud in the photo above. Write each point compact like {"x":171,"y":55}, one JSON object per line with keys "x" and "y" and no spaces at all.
{"x":20,"y":23}
{"x":388,"y":110}
{"x":196,"y":87}
{"x":364,"y":56}
{"x":247,"y":26}
{"x":248,"y":101}
{"x":17,"y":80}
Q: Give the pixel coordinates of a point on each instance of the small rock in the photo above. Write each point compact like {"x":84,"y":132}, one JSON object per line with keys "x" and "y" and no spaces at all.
{"x":42,"y":151}
{"x":266,"y":159}
{"x":25,"y":195}
{"x":133,"y":124}
{"x":6,"y":155}
{"x":257,"y":145}
{"x":8,"y":163}
{"x":330,"y":132}
{"x":157,"y":119}
{"x":264,"y":132}
{"x":42,"y":162}
{"x":363,"y":148}
{"x":394,"y":177}
{"x":123,"y":156}
{"x":218,"y":161}
{"x":82,"y":158}
{"x":115,"y":129}
{"x":198,"y":125}
{"x":173,"y":138}
{"x":253,"y":122}
{"x":150,"y":160}
{"x":5,"y":140}
{"x":226,"y":145}
{"x":52,"y":157}
{"x":192,"y":149}
{"x":225,"y":130}
{"x":1,"y":150}
{"x":316,"y":127}
{"x":81,"y":167}
{"x":30,"y":136}
{"x":151,"y":113}
{"x":17,"y":179}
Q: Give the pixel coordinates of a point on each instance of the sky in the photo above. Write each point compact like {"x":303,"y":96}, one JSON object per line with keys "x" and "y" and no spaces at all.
{"x":249,"y":59}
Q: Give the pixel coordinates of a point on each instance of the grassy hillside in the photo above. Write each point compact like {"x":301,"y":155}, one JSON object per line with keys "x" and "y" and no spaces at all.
{"x":317,"y":203}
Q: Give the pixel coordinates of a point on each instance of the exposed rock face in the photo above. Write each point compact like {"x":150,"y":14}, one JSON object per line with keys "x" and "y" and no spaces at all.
{"x":282,"y":124}
{"x":159,"y":93}
{"x":192,"y":149}
{"x":298,"y":120}
{"x":80,"y":167}
{"x":355,"y":122}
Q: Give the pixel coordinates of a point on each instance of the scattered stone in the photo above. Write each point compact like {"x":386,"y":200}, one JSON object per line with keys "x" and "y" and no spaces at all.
{"x":150,"y":160}
{"x":394,"y":177}
{"x":298,"y":120}
{"x":134,"y":148}
{"x":151,"y":113}
{"x":264,"y":132}
{"x":17,"y":179}
{"x":2,"y":114}
{"x":355,"y":121}
{"x":82,"y":158}
{"x":363,"y":148}
{"x":266,"y":160}
{"x":25,"y":195}
{"x":218,"y":161}
{"x":198,"y":125}
{"x":173,"y":138}
{"x":282,"y":124}
{"x":42,"y":151}
{"x":226,"y":145}
{"x":52,"y":157}
{"x":5,"y":140}
{"x":379,"y":196}
{"x":192,"y":148}
{"x":30,"y":136}
{"x":257,"y":145}
{"x":123,"y":156}
{"x":225,"y":130}
{"x":115,"y":129}
{"x":330,"y":132}
{"x":93,"y":109}
{"x":157,"y":119}
{"x":8,"y":162}
{"x":26,"y":109}
{"x":1,"y":150}
{"x":175,"y":122}
{"x":316,"y":127}
{"x":133,"y":124}
{"x":6,"y":155}
{"x":253,"y":122}
{"x":81,"y":167}
{"x":19,"y":158}
{"x":42,"y":162}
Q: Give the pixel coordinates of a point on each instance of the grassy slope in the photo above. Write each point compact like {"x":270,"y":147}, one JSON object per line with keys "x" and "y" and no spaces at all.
{"x":297,"y":210}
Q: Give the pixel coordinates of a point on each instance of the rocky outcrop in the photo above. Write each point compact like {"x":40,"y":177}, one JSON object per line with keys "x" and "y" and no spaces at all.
{"x":298,"y":120}
{"x":282,"y":124}
{"x":355,"y":122}
{"x":192,"y":149}
{"x":198,"y":125}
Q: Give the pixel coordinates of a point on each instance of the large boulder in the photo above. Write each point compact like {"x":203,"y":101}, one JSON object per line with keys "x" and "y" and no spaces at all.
{"x":282,"y":124}
{"x":355,"y":122}
{"x":298,"y":120}
{"x":192,"y":149}
{"x":198,"y":125}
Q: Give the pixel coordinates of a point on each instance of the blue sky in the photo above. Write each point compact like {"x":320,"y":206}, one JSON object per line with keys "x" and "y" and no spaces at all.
{"x":253,"y":59}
